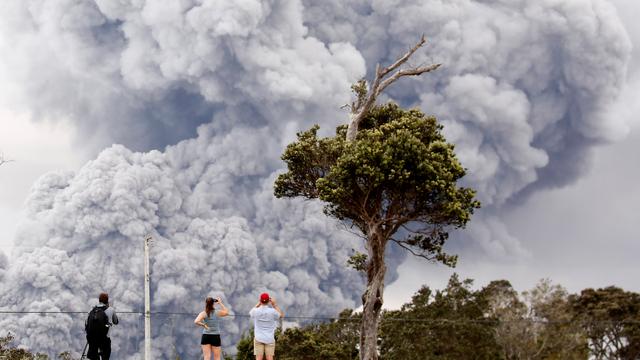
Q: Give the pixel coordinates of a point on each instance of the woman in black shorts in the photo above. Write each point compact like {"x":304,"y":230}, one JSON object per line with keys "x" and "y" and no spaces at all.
{"x":209,"y":320}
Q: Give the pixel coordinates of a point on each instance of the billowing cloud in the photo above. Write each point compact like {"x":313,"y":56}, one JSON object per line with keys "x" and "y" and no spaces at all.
{"x":523,"y":87}
{"x":85,"y":231}
{"x":522,"y":94}
{"x":523,"y":91}
{"x":146,"y":74}
{"x":4,"y":263}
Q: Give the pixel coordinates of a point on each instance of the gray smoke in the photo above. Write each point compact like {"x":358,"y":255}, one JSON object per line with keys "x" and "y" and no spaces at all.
{"x":4,"y":263}
{"x":523,"y":95}
{"x":146,"y":74}
{"x":217,"y":229}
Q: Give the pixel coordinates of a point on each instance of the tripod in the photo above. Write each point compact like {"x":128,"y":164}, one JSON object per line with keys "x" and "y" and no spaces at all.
{"x":84,"y":352}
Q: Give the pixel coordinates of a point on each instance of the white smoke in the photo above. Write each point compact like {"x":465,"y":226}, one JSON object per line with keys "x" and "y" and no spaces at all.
{"x":148,"y":73}
{"x":522,"y":94}
{"x":84,"y":234}
{"x":4,"y":263}
{"x":523,"y":91}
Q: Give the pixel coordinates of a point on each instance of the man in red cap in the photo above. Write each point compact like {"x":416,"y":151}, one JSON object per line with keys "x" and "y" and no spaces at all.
{"x":265,"y":320}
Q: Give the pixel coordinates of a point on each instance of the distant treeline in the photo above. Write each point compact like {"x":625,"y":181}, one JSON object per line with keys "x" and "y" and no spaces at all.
{"x":495,"y":322}
{"x":457,"y":322}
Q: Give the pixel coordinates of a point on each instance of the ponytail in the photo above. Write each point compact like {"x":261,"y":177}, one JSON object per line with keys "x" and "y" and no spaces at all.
{"x":209,"y":306}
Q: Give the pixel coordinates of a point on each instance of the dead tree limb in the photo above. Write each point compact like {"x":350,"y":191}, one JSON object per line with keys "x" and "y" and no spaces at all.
{"x":366,"y":98}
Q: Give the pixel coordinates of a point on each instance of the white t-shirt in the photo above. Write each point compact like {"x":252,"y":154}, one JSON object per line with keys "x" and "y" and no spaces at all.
{"x":265,"y":321}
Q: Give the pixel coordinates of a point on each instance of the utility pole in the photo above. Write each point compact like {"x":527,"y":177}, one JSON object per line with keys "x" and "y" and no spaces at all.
{"x":147,"y":300}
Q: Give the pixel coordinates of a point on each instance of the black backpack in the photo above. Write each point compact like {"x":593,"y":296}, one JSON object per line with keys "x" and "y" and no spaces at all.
{"x":97,"y":324}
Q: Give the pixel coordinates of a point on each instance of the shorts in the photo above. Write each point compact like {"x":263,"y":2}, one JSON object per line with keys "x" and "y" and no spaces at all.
{"x":259,"y":348}
{"x":209,"y":339}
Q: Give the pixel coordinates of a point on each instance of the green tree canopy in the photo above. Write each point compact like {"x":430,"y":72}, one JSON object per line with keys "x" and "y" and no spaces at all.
{"x":535,"y":325}
{"x":397,"y":181}
{"x":611,"y":319}
{"x":245,"y":347}
{"x":399,"y":174}
{"x":336,"y":339}
{"x":445,"y":324}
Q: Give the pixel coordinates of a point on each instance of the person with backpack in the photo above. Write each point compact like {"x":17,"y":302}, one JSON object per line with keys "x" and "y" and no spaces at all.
{"x":209,"y":320}
{"x":100,"y":319}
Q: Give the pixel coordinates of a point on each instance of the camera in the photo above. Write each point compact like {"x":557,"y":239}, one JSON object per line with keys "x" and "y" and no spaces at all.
{"x":215,"y":300}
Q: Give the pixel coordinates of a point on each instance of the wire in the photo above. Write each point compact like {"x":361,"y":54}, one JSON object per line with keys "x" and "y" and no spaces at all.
{"x":333,"y":318}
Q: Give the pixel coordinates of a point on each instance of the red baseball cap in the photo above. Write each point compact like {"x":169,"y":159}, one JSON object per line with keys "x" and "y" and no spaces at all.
{"x":264,"y":298}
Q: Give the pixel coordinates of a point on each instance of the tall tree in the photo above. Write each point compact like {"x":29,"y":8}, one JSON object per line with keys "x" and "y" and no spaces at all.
{"x":447,"y":324}
{"x":536,"y":325}
{"x":504,"y":306}
{"x":611,"y":319}
{"x":556,"y":336}
{"x":395,"y":180}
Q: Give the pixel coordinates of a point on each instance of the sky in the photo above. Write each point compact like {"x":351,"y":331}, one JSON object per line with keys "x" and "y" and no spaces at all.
{"x":583,"y":235}
{"x":540,"y":100}
{"x":33,"y":149}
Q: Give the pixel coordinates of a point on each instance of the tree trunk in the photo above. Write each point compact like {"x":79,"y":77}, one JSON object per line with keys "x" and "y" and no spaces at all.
{"x":372,"y":297}
{"x":352,"y":129}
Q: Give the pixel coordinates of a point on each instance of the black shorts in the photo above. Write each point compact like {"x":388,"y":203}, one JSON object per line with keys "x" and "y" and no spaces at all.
{"x":208,"y":339}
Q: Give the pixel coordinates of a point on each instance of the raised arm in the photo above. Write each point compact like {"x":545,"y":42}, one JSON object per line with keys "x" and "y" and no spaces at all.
{"x":276,"y":307}
{"x":223,"y":309}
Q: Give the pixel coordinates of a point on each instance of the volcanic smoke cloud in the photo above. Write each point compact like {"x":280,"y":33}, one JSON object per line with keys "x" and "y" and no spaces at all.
{"x":225,"y":86}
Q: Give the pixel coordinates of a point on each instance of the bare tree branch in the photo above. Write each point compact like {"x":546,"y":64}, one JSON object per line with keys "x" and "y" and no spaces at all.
{"x":402,"y":245}
{"x":409,"y":72}
{"x":402,"y":59}
{"x":347,"y":229}
{"x":366,"y":101}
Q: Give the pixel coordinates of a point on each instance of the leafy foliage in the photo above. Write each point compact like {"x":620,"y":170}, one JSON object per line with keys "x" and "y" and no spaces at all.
{"x":494,"y":322}
{"x":8,"y":352}
{"x":67,"y":356}
{"x":337,"y":339}
{"x":334,"y":340}
{"x":395,"y":179}
{"x":611,"y":320}
{"x":536,"y":325}
{"x":358,"y":261}
{"x":447,"y":324}
{"x":399,"y":173}
{"x":245,"y":347}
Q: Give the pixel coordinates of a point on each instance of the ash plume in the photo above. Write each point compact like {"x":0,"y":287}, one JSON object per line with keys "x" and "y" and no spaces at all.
{"x":204,"y":95}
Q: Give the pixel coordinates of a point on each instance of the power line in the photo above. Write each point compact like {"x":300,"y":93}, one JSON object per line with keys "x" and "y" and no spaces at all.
{"x":333,"y":318}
